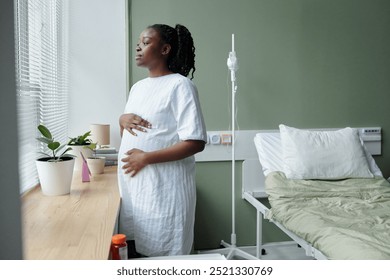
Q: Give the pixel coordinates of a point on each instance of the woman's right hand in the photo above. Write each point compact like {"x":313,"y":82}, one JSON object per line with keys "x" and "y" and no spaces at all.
{"x":132,"y":122}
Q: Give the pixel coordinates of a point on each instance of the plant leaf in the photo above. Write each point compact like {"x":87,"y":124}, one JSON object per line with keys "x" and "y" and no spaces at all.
{"x":71,"y":141}
{"x":63,"y":153}
{"x":45,"y":140}
{"x":53,"y":145}
{"x":91,"y":146}
{"x":87,"y":134}
{"x":44,"y":131}
{"x":60,"y":148}
{"x":81,"y":139}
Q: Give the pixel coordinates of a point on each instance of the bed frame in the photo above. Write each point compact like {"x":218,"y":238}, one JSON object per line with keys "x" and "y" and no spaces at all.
{"x":253,"y":188}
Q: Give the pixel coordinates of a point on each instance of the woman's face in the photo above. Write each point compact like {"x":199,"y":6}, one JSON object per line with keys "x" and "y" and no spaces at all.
{"x":150,"y":51}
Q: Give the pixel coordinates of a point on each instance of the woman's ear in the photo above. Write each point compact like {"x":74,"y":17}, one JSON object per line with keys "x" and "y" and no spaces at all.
{"x":166,"y":49}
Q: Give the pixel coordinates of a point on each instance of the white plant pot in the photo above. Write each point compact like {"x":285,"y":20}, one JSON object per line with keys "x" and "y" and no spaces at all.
{"x":78,"y":165}
{"x":96,"y":164}
{"x":55,"y":177}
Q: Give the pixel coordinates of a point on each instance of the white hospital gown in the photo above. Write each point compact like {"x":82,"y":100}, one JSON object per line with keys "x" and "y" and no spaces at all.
{"x":158,"y":204}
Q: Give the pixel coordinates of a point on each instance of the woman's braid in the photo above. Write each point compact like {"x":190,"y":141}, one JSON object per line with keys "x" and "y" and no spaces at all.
{"x":182,"y":55}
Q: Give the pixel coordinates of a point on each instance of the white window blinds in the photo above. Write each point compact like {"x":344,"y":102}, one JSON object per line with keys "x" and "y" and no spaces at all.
{"x":41,"y":78}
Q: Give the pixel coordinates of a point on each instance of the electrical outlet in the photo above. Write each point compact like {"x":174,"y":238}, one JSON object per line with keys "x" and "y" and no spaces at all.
{"x":373,"y":130}
{"x":215,"y":139}
{"x":226,"y":139}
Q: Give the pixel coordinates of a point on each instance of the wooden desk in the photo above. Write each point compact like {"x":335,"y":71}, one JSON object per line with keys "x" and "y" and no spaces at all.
{"x":76,"y":226}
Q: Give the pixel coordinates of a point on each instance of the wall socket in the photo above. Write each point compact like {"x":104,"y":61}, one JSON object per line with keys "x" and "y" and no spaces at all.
{"x":226,"y":139}
{"x":215,"y":139}
{"x":373,"y":130}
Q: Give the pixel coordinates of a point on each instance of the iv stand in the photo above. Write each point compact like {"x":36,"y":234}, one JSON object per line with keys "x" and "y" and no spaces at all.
{"x":232,"y":250}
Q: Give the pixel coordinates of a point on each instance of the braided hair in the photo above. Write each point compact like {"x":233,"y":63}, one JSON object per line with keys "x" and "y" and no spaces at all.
{"x":181,"y":58}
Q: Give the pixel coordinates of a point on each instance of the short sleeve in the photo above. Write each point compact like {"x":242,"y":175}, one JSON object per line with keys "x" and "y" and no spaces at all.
{"x":186,"y":108}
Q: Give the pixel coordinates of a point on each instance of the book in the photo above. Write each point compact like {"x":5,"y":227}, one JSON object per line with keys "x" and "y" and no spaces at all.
{"x":106,"y":150}
{"x":108,"y":156}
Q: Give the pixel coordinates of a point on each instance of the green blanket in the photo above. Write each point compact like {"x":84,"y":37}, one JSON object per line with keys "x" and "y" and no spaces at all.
{"x":344,"y":219}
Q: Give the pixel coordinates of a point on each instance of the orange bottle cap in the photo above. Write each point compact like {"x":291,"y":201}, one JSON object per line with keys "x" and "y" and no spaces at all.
{"x":119,"y":238}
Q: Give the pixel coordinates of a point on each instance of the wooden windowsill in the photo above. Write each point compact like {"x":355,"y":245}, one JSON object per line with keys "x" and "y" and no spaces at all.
{"x":72,"y":227}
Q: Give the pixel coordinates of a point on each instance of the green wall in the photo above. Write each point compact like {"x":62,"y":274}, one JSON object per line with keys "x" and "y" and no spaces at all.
{"x":305,"y":63}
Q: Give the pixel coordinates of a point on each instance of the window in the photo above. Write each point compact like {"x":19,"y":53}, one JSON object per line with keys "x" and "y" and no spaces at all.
{"x":41,"y":78}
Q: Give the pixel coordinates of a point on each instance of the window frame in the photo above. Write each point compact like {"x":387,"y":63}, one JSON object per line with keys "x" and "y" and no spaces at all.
{"x":42,"y":79}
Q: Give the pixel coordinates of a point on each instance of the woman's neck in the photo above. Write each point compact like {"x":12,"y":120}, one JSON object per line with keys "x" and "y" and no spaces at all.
{"x":158,"y":71}
{"x":154,"y":74}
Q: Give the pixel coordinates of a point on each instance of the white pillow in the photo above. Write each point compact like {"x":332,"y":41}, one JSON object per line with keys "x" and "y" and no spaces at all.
{"x":269,"y":150}
{"x":371,"y":162}
{"x":327,"y":155}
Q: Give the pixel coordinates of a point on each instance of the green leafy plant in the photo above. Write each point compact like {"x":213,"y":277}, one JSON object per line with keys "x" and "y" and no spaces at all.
{"x":81,"y":140}
{"x":54,"y":146}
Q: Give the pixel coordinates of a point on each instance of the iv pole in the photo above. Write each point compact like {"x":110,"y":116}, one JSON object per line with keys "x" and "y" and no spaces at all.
{"x":231,"y":250}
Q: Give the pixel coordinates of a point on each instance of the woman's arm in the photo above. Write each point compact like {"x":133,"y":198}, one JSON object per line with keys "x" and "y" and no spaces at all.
{"x":137,"y":159}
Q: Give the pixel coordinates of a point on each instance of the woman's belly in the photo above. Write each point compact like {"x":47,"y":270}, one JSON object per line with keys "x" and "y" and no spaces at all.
{"x":152,"y":140}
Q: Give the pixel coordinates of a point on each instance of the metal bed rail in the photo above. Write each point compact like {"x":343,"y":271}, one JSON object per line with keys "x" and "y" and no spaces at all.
{"x":262,"y":212}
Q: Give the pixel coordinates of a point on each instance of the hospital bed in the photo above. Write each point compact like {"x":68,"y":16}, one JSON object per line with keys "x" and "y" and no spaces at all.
{"x":331,"y":216}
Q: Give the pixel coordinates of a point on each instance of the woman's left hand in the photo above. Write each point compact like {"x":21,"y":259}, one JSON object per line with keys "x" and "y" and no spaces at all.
{"x":134,"y":162}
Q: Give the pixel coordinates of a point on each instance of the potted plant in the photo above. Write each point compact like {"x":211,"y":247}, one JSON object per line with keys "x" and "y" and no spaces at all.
{"x":55,"y":170}
{"x":84,"y":144}
{"x":96,"y":164}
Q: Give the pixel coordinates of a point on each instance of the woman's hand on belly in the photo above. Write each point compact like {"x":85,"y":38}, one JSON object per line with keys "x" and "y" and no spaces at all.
{"x":132,"y":122}
{"x":134,"y":162}
{"x":137,"y":159}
